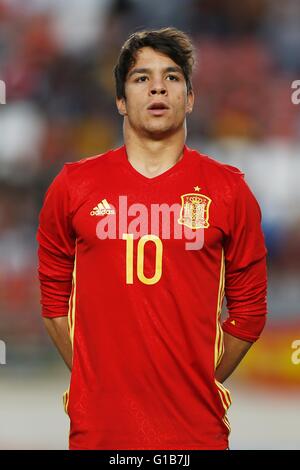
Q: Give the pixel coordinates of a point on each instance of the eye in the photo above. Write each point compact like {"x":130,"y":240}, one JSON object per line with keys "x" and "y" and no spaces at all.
{"x":173,"y":77}
{"x":141,"y":78}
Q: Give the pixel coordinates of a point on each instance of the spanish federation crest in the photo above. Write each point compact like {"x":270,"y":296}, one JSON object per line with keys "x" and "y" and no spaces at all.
{"x":194,"y":212}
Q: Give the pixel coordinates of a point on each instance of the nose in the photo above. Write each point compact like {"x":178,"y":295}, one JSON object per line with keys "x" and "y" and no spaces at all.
{"x":158,"y":89}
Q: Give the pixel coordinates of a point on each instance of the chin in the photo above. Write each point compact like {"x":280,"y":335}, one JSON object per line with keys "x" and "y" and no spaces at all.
{"x":159,"y":129}
{"x":158,"y":134}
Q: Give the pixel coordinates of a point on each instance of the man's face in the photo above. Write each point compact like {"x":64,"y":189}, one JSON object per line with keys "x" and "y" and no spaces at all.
{"x":155,"y":78}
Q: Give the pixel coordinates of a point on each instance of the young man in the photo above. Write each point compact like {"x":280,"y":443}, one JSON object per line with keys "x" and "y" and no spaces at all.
{"x":137,"y":248}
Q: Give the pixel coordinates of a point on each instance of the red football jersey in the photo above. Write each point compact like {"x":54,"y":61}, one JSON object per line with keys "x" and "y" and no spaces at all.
{"x":141,"y":266}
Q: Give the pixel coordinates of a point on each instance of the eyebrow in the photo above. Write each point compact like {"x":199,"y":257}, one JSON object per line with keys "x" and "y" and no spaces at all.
{"x":147,"y":70}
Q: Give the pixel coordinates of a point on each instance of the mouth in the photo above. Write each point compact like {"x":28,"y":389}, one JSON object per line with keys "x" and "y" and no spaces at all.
{"x":157,"y":108}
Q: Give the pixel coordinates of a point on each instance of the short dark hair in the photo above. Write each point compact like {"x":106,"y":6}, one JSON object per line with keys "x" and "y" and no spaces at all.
{"x":170,"y":41}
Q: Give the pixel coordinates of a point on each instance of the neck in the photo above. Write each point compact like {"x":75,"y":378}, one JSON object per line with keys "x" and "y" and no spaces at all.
{"x":153,"y":157}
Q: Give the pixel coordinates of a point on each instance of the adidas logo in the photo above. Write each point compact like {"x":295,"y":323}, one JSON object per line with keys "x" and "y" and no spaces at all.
{"x":102,"y":208}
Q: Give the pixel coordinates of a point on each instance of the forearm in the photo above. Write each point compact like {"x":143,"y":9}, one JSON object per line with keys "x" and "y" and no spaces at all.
{"x":234,"y":351}
{"x":58,"y":331}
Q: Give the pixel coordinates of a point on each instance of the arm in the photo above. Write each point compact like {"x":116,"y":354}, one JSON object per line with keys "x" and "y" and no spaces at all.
{"x":234,"y":351}
{"x":245,"y":281}
{"x":56,"y":255}
{"x":57,"y":329}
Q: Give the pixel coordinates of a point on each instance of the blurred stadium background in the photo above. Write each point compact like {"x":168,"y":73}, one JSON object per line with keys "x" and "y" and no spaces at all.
{"x":56,"y":58}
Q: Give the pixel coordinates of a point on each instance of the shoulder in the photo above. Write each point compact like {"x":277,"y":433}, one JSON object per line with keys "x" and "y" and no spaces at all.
{"x":222,"y":181}
{"x":88,"y":165}
{"x":216,"y":168}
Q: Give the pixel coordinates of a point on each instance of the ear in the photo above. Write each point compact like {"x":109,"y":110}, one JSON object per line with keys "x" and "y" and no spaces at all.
{"x":190,"y":102}
{"x":121,"y":105}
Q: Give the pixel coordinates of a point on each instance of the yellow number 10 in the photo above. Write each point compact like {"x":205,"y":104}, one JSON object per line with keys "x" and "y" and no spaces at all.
{"x":140,"y":258}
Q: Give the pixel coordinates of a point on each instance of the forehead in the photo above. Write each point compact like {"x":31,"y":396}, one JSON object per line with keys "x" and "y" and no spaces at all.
{"x":150,"y":58}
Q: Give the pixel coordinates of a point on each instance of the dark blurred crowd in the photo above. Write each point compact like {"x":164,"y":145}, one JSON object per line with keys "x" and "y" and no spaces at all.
{"x":56,"y":59}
